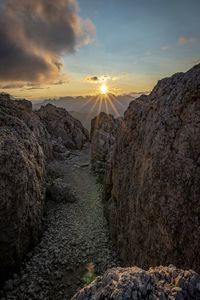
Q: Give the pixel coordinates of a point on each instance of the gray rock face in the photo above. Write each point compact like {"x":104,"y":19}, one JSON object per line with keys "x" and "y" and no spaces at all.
{"x":22,"y":185}
{"x":63,"y":128}
{"x":134,"y":283}
{"x":104,"y":130}
{"x":153,"y":192}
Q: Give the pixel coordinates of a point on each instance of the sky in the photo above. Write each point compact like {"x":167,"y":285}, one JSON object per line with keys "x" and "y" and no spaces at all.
{"x":68,"y":47}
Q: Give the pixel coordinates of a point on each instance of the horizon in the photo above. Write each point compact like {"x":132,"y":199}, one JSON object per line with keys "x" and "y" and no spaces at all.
{"x":73,"y":48}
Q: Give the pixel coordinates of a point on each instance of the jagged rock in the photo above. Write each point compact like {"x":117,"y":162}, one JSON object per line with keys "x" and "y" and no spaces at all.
{"x":104,"y":129}
{"x":65,"y":131}
{"x":152,"y":196}
{"x":22,"y":109}
{"x":58,"y":190}
{"x":134,"y":283}
{"x":22,"y":185}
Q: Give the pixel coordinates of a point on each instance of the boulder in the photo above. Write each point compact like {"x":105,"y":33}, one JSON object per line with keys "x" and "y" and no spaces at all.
{"x":134,"y":283}
{"x":22,"y":185}
{"x":104,"y":128}
{"x":22,"y":109}
{"x":65,"y":131}
{"x":152,"y":193}
{"x":59,"y":191}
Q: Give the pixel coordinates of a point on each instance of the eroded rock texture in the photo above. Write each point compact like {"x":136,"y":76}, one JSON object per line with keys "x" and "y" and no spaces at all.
{"x":65,"y":131}
{"x":22,"y":109}
{"x":153,"y":187}
{"x":22,"y":183}
{"x":104,"y":129}
{"x":134,"y":283}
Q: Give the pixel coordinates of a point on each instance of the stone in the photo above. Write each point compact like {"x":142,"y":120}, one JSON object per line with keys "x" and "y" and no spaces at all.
{"x":22,"y":109}
{"x":22,"y":184}
{"x":104,"y":128}
{"x":65,"y":131}
{"x":60,"y":191}
{"x":152,"y":186}
{"x":135,"y":283}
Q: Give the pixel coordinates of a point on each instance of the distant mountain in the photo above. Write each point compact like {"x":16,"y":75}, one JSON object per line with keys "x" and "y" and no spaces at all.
{"x":86,"y":108}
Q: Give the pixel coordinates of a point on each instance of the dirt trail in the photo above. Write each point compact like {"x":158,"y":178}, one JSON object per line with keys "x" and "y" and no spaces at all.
{"x":75,"y":235}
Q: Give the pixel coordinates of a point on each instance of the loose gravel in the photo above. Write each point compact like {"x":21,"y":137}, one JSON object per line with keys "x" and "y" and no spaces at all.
{"x":75,"y":234}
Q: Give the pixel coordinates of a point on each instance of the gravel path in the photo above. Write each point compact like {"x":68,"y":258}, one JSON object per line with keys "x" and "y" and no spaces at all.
{"x":75,"y":235}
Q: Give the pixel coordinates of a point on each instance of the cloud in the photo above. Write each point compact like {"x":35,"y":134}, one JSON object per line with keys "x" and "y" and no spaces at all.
{"x":11,"y":86}
{"x":165,"y":48}
{"x":33,"y":85}
{"x":183,"y":40}
{"x":97,"y":79}
{"x":103,"y":78}
{"x":35,"y":34}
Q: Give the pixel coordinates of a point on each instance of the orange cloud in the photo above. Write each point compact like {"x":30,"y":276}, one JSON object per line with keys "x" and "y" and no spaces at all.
{"x":183,"y":40}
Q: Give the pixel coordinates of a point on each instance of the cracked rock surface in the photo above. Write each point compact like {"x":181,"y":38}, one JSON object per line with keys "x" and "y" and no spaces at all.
{"x":152,"y":188}
{"x":134,"y":283}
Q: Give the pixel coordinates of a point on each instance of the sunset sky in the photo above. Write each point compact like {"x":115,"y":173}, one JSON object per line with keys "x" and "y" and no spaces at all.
{"x":67,"y":47}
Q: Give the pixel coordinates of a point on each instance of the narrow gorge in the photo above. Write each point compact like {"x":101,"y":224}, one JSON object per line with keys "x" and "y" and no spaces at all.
{"x":124,"y":198}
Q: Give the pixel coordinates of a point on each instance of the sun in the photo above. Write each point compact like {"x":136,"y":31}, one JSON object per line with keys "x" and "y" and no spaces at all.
{"x":104,"y":89}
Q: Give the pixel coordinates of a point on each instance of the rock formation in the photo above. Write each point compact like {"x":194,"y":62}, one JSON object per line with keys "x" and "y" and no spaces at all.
{"x":59,"y":191}
{"x":65,"y":131}
{"x":152,"y":196}
{"x":22,"y":109}
{"x":104,"y":130}
{"x":135,"y":283}
{"x":22,"y":183}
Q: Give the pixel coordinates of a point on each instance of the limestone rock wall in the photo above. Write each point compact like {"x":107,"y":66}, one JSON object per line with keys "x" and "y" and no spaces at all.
{"x":22,"y":185}
{"x":65,"y":131}
{"x":152,"y":193}
{"x":104,"y":128}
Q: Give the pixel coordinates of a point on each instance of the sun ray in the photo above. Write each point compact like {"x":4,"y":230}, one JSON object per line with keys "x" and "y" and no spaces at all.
{"x":115,"y":98}
{"x":113,"y":107}
{"x":96,"y":100}
{"x":106,"y":104}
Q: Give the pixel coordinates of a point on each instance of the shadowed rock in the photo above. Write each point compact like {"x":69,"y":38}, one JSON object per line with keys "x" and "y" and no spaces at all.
{"x":59,"y":191}
{"x":104,"y":129}
{"x":153,"y":191}
{"x":22,"y":184}
{"x":65,"y":131}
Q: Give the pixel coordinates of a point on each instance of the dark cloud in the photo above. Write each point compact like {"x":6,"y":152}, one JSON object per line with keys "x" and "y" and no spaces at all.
{"x":11,"y":86}
{"x":103,"y":78}
{"x":93,"y":78}
{"x":97,"y":79}
{"x":35,"y":34}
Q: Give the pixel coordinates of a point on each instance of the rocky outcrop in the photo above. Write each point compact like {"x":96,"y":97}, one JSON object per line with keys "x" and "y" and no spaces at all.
{"x":58,"y":190}
{"x":104,"y":128}
{"x":22,"y":183}
{"x":65,"y":131}
{"x":22,"y":109}
{"x":134,"y":283}
{"x":152,"y":196}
